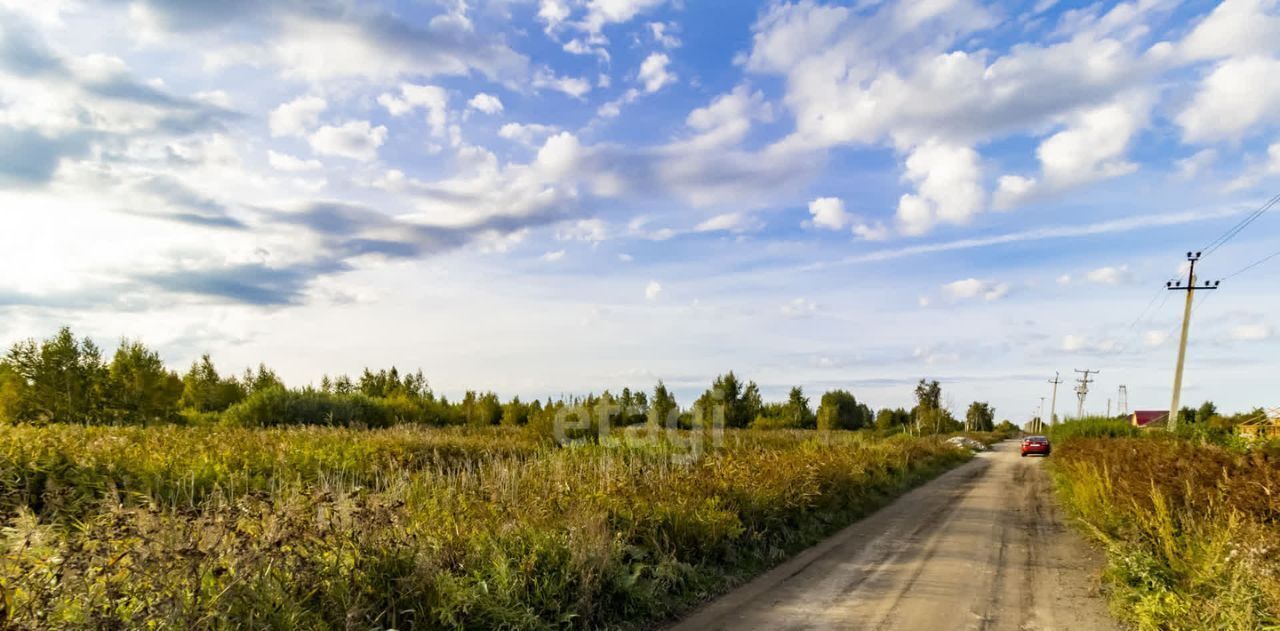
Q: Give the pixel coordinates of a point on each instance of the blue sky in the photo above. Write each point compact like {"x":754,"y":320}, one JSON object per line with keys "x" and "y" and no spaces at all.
{"x":556,"y":196}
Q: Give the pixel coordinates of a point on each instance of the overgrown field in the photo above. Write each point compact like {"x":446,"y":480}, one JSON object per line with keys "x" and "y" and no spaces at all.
{"x":1192,"y":530}
{"x":324,"y":528}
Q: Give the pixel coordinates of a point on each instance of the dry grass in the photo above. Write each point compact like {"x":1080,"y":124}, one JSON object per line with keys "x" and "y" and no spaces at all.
{"x":412,"y":528}
{"x":1192,"y":530}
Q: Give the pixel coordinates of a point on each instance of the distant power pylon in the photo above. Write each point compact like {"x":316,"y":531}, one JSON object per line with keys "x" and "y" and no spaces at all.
{"x":1082,"y":389}
{"x":1122,"y":401}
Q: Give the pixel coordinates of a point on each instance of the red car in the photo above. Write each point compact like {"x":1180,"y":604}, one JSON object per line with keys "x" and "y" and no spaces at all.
{"x":1035,"y":445}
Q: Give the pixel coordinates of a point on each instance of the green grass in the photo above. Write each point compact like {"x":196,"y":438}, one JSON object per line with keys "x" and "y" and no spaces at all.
{"x":1192,"y":531}
{"x":202,"y":528}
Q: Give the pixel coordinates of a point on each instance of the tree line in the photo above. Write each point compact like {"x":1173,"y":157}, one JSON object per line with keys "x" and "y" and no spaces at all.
{"x":69,"y":379}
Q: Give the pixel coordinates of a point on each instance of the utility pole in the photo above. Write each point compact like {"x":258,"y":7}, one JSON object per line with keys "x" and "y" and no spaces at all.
{"x":1040,"y":427}
{"x":1122,"y":401}
{"x":1108,"y":407}
{"x":1190,"y":288}
{"x":1082,"y":389}
{"x":1053,"y":406}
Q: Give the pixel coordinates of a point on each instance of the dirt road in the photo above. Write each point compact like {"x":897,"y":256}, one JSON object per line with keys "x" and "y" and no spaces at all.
{"x":981,"y":547}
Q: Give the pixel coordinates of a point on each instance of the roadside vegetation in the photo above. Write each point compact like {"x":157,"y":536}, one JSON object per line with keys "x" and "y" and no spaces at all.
{"x":311,"y":528}
{"x":134,"y":496}
{"x":1190,"y":522}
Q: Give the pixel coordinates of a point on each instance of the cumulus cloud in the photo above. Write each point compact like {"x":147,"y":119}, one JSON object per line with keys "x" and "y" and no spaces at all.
{"x":553,"y":256}
{"x":575,"y":87}
{"x":1253,"y":332}
{"x":729,"y":222}
{"x":297,"y":117}
{"x":1238,"y":94}
{"x":291,"y":164}
{"x":527,"y":134}
{"x":829,"y":213}
{"x":487,"y":103}
{"x":871,"y":231}
{"x":971,"y":288}
{"x":376,"y":46}
{"x":434,"y":99}
{"x":1092,"y":147}
{"x":654,"y":74}
{"x":652,"y":290}
{"x":357,"y":140}
{"x":1109,"y":275}
{"x":948,"y":188}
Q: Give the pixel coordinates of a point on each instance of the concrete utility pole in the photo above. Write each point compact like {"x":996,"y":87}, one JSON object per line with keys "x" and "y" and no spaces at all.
{"x":1108,"y":407}
{"x":1053,"y":406}
{"x":1041,"y":415}
{"x":1190,"y":288}
{"x":1082,"y":389}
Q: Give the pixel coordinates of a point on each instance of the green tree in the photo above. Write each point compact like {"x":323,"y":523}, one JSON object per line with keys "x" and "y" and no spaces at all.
{"x":1206,"y":411}
{"x":13,"y":395}
{"x":839,"y":409}
{"x":664,"y":405}
{"x":741,"y":404}
{"x":142,"y":389}
{"x":66,"y":379}
{"x":797,"y":410}
{"x":981,"y":417}
{"x":204,"y":390}
{"x":515,"y":413}
{"x":888,"y":419}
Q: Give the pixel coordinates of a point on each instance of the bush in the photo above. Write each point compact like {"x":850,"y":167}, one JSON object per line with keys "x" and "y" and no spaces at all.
{"x":278,"y":406}
{"x":1092,"y":427}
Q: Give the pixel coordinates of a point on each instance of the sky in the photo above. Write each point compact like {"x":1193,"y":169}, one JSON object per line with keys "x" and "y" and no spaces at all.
{"x":563,"y":196}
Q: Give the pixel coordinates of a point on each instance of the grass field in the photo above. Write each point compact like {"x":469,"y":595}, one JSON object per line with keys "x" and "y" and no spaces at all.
{"x":1192,"y":530}
{"x":208,"y":528}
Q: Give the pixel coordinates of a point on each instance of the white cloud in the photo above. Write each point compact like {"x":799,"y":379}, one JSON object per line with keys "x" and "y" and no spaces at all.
{"x":727,"y":119}
{"x":971,"y":288}
{"x":1196,"y":163}
{"x":604,"y":12}
{"x":288,"y":163}
{"x":1092,"y":147}
{"x":382,"y":48}
{"x":1234,"y":28}
{"x":553,"y":12}
{"x":1238,"y":94}
{"x":553,"y":256}
{"x":297,"y":117}
{"x":1154,"y":338}
{"x":487,"y":103}
{"x":654,"y":74}
{"x":575,"y":87}
{"x":652,"y":290}
{"x":1251,"y":332}
{"x":799,"y":308}
{"x":871,"y":231}
{"x":434,"y":99}
{"x":829,"y":213}
{"x":1110,"y":275}
{"x":592,"y":230}
{"x":1086,"y":344}
{"x":357,"y":140}
{"x":948,"y":189}
{"x":662,"y":34}
{"x":729,"y":222}
{"x":527,"y":134}
{"x":1064,"y":279}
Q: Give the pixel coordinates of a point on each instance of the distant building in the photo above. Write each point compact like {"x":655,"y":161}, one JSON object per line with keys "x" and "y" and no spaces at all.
{"x":1143,"y":418}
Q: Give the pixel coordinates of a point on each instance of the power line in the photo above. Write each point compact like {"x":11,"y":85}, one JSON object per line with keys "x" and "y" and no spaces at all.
{"x":1252,"y":265}
{"x":1082,"y":390}
{"x":1240,"y":226}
